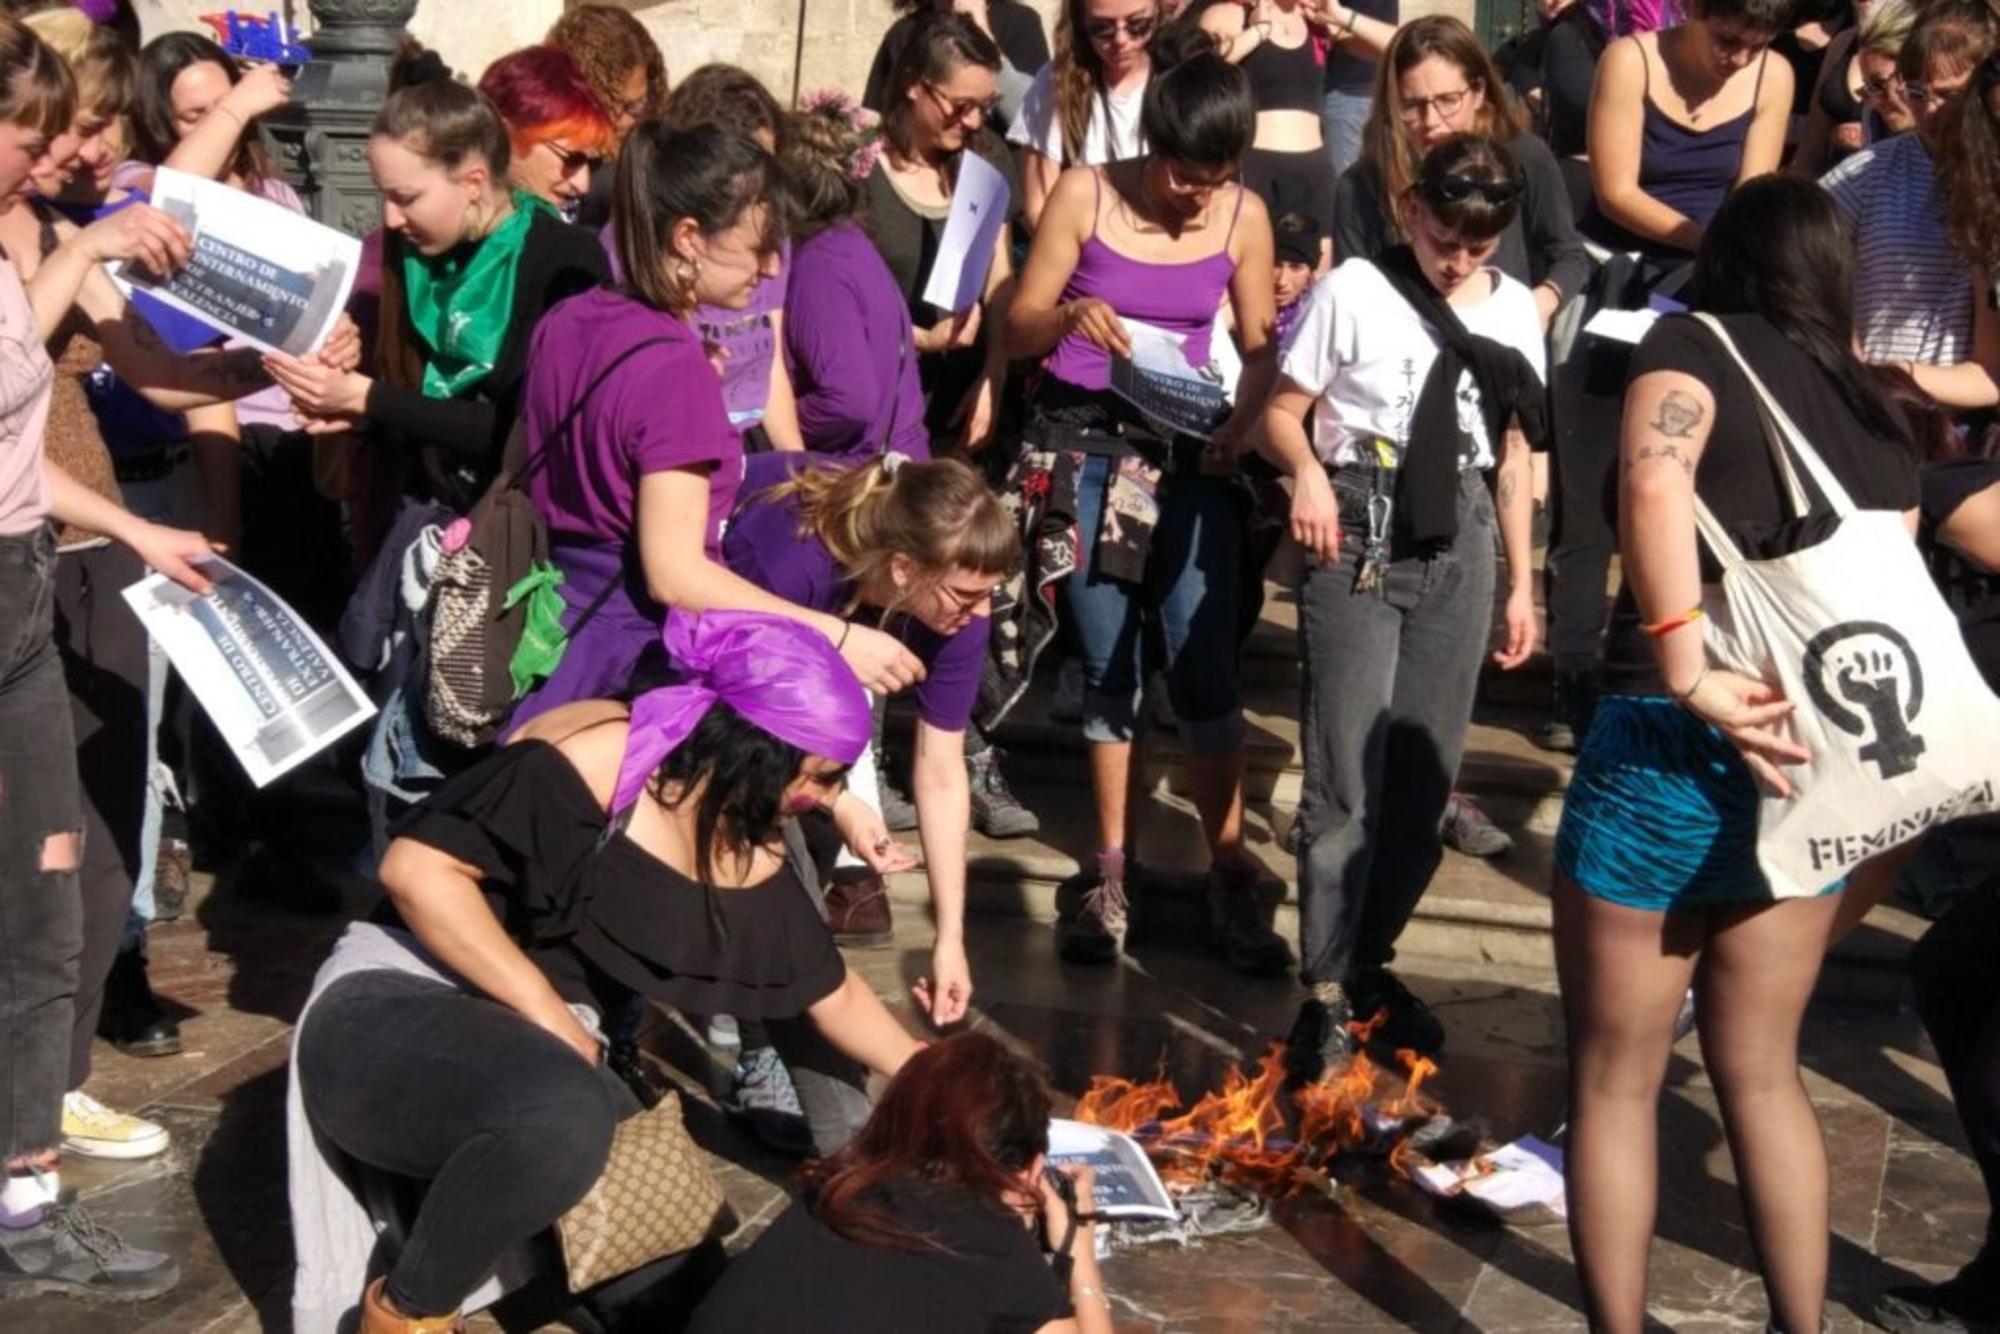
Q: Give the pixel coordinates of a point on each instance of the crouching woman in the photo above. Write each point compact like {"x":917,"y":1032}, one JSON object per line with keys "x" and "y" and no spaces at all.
{"x":608,"y":850}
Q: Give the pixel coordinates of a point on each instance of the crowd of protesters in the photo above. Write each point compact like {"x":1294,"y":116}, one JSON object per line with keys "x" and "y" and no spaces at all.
{"x":786,"y":502}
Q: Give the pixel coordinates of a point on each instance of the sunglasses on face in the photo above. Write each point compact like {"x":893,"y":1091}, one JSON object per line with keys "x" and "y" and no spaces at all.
{"x":1418,"y":109}
{"x":1138,"y":27}
{"x":958,"y":110}
{"x":573,"y":160}
{"x":1454,"y":189}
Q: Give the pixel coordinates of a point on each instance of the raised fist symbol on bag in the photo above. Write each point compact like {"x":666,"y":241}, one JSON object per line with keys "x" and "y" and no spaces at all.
{"x":1864,"y":677}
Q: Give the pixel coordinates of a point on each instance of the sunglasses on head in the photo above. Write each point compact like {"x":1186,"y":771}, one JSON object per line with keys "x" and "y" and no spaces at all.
{"x":1456,"y":188}
{"x":1137,"y":26}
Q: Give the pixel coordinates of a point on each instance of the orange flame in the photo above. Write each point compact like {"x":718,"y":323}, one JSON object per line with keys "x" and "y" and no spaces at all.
{"x":1242,"y":1132}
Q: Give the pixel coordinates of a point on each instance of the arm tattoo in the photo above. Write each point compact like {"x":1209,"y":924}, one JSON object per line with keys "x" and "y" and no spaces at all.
{"x":1505,"y":487}
{"x":1668,"y":451}
{"x":1678,"y":416}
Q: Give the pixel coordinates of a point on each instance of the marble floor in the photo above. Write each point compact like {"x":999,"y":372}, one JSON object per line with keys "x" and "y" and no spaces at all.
{"x":1365,"y":1253}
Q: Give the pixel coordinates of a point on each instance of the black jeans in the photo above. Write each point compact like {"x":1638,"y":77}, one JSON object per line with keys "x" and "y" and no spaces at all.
{"x":103,"y":649}
{"x":506,"y":1124}
{"x":1958,"y":995}
{"x":1386,"y":700}
{"x":1589,"y":398}
{"x":41,"y":932}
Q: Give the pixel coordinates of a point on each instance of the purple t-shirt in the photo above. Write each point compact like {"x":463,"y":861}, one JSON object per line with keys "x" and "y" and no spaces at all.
{"x":660,"y":410}
{"x":850,"y":350}
{"x":765,"y":546}
{"x":746,"y":337}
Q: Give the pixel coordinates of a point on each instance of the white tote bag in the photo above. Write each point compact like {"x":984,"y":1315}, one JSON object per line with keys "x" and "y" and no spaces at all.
{"x":1904,"y":732}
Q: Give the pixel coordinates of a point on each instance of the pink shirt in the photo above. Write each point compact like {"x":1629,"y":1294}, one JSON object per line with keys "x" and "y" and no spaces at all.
{"x":26,"y":376}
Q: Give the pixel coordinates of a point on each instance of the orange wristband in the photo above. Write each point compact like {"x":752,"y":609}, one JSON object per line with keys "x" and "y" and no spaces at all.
{"x":1673,"y":623}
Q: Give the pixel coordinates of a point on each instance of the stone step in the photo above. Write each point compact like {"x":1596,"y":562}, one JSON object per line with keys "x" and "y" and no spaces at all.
{"x":1482,"y":911}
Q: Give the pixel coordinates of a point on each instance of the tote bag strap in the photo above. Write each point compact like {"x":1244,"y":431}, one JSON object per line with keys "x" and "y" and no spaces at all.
{"x":1784,"y":437}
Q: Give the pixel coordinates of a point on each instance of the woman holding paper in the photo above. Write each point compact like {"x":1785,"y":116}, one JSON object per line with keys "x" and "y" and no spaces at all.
{"x":939,"y":96}
{"x":940,"y":1215}
{"x":1156,"y":245}
{"x":48,"y":1244}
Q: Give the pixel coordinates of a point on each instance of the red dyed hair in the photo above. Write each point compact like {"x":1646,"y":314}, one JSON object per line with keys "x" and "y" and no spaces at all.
{"x":964,"y":1112}
{"x":542,"y":95}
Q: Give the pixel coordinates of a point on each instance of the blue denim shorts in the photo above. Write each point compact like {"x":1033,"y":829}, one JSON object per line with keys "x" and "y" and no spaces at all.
{"x":1661,"y":812}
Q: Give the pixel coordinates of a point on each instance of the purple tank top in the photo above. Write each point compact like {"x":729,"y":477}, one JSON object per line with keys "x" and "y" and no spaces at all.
{"x":1181,"y":298}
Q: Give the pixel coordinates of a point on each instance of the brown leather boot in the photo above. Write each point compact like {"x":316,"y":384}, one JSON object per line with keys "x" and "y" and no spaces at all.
{"x":378,"y":1317}
{"x":857,"y":908}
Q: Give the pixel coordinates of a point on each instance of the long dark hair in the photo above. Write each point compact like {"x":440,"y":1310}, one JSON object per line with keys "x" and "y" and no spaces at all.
{"x":963,"y":1113}
{"x":706,"y":173}
{"x":736,"y":773}
{"x":1076,"y":76}
{"x":1778,"y":247}
{"x":1197,"y":107}
{"x":1968,"y":170}
{"x":941,"y":44}
{"x":154,"y":133}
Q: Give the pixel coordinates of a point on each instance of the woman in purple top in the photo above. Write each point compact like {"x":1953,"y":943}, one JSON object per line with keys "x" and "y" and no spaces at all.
{"x":916,"y":549}
{"x":641,"y":464}
{"x":1161,"y":518}
{"x":848,"y":338}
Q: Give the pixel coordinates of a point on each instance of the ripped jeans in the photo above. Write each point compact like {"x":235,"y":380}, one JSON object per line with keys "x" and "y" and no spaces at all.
{"x":41,"y":823}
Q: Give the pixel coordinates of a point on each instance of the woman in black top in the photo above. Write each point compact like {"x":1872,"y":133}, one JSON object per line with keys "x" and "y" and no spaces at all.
{"x":458,"y":1040}
{"x":1656,"y":859}
{"x":938,"y":100}
{"x":925,"y":1223}
{"x":464,"y":280}
{"x":1014,"y":27}
{"x":1436,"y":81}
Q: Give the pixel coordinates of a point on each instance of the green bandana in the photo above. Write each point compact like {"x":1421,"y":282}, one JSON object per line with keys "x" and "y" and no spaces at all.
{"x":461,"y":303}
{"x":543,"y":640}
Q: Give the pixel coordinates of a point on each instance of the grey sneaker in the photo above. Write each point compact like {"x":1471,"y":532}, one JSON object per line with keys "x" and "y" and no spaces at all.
{"x":764,"y":1099}
{"x":72,"y":1254}
{"x":898,"y":811}
{"x":1468,"y":829}
{"x":1320,"y":1039}
{"x":1097,"y":933}
{"x":996,"y":812}
{"x":1238,"y":926}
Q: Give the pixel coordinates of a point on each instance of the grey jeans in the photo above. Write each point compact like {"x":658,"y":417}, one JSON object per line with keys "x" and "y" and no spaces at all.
{"x":1386,"y":699}
{"x":41,"y":909}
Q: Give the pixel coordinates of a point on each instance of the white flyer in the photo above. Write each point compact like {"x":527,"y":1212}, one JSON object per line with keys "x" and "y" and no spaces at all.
{"x":1127,"y":1186}
{"x":270,"y":684}
{"x":965,"y":252}
{"x":273,"y":277}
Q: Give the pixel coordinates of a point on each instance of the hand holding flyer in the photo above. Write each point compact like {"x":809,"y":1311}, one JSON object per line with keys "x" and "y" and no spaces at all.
{"x":270,"y":684}
{"x":1177,"y":397}
{"x":965,"y":252}
{"x":273,"y":277}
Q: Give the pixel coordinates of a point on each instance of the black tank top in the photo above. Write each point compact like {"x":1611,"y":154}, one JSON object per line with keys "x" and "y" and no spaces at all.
{"x":1284,"y":78}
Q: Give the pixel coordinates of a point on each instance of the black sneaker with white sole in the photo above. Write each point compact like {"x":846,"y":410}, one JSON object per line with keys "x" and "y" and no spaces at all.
{"x":1406,"y":1020}
{"x":72,"y":1254}
{"x":1320,"y":1039}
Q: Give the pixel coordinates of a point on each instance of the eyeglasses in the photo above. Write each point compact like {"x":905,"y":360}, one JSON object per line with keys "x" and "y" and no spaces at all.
{"x":1138,"y":27}
{"x":1188,"y":176}
{"x":1454,"y":189}
{"x":637,"y":108}
{"x":958,"y":110}
{"x":573,"y":160}
{"x":966,"y":600}
{"x":1416,"y":110}
{"x":1931,"y":96}
{"x":1881,"y":87}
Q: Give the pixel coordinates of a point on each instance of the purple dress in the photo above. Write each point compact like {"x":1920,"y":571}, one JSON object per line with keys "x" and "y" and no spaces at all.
{"x":765,"y":546}
{"x":659,"y":411}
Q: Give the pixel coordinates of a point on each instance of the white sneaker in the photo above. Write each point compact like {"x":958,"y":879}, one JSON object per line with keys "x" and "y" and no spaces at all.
{"x":92,"y":1130}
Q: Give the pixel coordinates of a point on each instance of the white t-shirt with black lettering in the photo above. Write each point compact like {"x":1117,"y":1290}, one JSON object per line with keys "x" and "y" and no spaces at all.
{"x":1365,"y":353}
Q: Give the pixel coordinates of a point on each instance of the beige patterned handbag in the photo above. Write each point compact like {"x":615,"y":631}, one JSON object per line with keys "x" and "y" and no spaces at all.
{"x":655,"y":1198}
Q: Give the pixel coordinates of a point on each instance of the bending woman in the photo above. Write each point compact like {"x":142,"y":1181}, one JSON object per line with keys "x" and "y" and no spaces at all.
{"x":606,"y":852}
{"x":928,"y":1219}
{"x":1164,"y":239}
{"x":1657,"y":884}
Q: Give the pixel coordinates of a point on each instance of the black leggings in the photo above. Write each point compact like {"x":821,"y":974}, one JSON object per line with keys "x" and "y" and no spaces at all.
{"x":1958,"y":996}
{"x":506,"y":1124}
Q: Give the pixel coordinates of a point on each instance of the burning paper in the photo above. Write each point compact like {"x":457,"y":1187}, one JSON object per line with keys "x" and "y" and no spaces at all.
{"x":1519,"y":1182}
